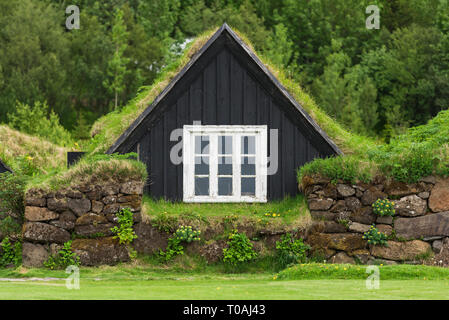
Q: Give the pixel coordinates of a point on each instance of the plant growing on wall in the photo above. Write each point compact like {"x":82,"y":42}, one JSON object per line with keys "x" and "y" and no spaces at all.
{"x":240,"y":249}
{"x":375,"y":237}
{"x":384,"y":207}
{"x":124,"y":231}
{"x":174,"y":246}
{"x":290,"y":250}
{"x":64,"y":258}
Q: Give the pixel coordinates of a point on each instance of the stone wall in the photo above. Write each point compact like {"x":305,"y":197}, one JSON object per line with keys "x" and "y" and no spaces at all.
{"x":84,"y":214}
{"x":342,"y":212}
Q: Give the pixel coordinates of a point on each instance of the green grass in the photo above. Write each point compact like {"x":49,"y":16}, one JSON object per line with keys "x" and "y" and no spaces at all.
{"x":226,"y":290}
{"x":288,"y":215}
{"x":98,"y":169}
{"x":144,"y":282}
{"x":287,"y":209}
{"x":392,"y":272}
{"x":421,"y":151}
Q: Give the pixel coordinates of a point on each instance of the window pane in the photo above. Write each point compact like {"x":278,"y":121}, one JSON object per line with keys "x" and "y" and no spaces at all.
{"x":225,"y":186}
{"x":225,"y":166}
{"x":224,"y":144}
{"x":201,"y":144}
{"x":248,"y":145}
{"x":248,"y":166}
{"x":201,"y":165}
{"x":201,"y":186}
{"x":248,"y":186}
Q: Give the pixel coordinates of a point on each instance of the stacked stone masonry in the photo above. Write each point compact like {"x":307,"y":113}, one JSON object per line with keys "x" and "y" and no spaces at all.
{"x":342,"y":212}
{"x":84,"y":214}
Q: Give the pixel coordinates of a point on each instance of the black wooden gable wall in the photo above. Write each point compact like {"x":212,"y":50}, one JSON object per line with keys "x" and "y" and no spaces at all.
{"x":224,"y":87}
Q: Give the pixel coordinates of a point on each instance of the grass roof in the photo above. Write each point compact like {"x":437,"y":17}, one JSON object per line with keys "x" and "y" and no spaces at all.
{"x":18,"y":149}
{"x":420,"y":152}
{"x":92,"y":170}
{"x":108,"y":129}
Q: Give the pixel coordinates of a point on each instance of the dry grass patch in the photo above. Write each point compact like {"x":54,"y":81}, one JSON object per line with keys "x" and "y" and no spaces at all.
{"x":89,"y":171}
{"x":39,"y":152}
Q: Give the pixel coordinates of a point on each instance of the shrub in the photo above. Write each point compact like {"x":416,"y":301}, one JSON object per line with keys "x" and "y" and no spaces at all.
{"x":64,"y":258}
{"x":375,"y":237}
{"x":173,"y":249}
{"x":240,"y":249}
{"x":12,"y":190}
{"x":10,"y":254}
{"x":186,"y":234}
{"x":38,"y":120}
{"x":384,"y":207}
{"x":124,"y":231}
{"x":174,"y":246}
{"x":12,"y":208}
{"x":290,"y":250}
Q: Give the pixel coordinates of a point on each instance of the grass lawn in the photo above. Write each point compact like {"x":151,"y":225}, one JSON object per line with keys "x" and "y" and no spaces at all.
{"x":287,"y":210}
{"x":227,"y":289}
{"x":143,"y":282}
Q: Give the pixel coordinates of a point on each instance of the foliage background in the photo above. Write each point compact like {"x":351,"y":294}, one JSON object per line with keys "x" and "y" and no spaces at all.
{"x":375,"y":82}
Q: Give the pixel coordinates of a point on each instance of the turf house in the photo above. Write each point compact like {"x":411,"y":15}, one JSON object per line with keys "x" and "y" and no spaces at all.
{"x":224,"y":130}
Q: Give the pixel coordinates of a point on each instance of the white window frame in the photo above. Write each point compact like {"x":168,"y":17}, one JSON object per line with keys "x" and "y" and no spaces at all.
{"x":213,"y":131}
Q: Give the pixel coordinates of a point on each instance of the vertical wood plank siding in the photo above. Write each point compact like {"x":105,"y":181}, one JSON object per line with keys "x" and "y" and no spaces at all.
{"x":222,"y":88}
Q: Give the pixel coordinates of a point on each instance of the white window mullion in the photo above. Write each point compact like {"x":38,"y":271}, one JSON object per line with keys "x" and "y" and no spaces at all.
{"x":188,"y":168}
{"x":263,"y":174}
{"x":261,"y":166}
{"x":236,"y":167}
{"x":213,"y":165}
{"x":257,"y":164}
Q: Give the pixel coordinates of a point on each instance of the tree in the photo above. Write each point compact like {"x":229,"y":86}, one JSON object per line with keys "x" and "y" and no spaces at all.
{"x":40,"y":121}
{"x":280,"y":47}
{"x":347,"y":93}
{"x":117,"y":65}
{"x":33,"y":55}
{"x":409,"y":76}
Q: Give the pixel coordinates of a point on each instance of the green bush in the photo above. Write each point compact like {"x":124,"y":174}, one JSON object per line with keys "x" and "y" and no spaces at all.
{"x":38,"y":120}
{"x":124,"y":231}
{"x":240,"y":249}
{"x":383,"y":207}
{"x":187,"y":234}
{"x":12,"y":208}
{"x":174,"y":246}
{"x":64,"y":258}
{"x":12,"y":190}
{"x":290,"y":250}
{"x":375,"y":237}
{"x":10,"y":254}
